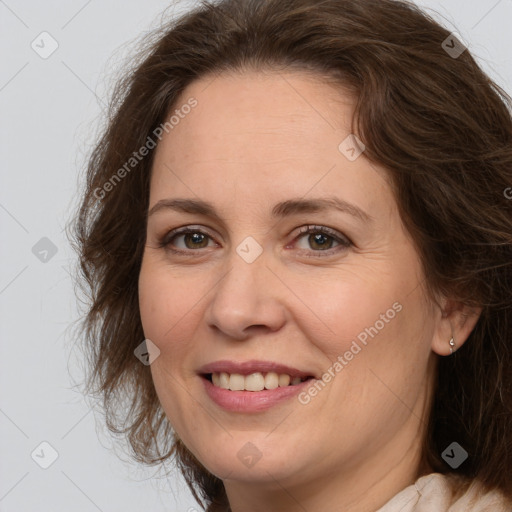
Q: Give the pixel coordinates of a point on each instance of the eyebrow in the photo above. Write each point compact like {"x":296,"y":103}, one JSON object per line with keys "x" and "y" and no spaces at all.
{"x":280,"y":210}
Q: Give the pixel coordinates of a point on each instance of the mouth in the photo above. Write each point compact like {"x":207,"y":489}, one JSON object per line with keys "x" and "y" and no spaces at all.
{"x":252,"y":386}
{"x":254,"y":382}
{"x":253,"y":392}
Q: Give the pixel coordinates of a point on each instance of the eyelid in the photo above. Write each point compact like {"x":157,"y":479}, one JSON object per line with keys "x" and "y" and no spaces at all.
{"x":164,"y":241}
{"x":314,"y":228}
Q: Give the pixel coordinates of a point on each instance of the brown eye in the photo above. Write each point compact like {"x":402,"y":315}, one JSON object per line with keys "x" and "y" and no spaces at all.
{"x":195,"y":240}
{"x":192,"y":239}
{"x":321,"y":238}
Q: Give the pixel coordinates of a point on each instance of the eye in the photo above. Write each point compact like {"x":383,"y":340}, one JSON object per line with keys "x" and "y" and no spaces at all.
{"x":193,"y":238}
{"x":321,"y":239}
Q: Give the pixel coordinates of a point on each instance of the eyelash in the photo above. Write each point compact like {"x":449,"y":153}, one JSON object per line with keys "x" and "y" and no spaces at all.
{"x":343,"y":241}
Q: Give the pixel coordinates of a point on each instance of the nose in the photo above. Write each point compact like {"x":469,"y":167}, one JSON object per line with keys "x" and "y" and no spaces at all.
{"x":246,"y":300}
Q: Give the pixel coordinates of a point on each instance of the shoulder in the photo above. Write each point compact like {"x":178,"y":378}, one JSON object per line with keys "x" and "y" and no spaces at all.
{"x":447,"y":493}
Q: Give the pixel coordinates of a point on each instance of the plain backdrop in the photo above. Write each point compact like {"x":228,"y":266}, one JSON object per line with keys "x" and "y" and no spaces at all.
{"x":51,"y":112}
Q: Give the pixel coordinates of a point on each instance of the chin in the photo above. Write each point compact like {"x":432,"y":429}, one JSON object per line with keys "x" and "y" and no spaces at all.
{"x":243,"y":461}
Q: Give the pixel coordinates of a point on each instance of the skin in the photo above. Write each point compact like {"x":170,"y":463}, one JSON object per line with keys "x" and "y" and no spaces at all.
{"x":255,"y":139}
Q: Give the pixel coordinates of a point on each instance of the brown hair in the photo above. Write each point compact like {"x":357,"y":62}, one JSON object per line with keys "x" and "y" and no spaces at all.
{"x":437,"y":123}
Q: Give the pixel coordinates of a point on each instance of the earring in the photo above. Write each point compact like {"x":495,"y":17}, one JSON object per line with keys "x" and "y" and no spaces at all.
{"x":452,"y":345}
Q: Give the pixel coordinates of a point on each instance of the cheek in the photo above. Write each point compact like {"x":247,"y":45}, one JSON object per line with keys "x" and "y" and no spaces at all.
{"x":165,"y":304}
{"x":369,"y":325}
{"x":153,"y":298}
{"x":355,"y":306}
{"x":172,"y":302}
{"x":169,"y":319}
{"x":381,"y":352}
{"x":163,"y":296}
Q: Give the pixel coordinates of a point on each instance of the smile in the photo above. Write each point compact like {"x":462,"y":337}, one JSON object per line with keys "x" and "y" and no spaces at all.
{"x":256,"y":381}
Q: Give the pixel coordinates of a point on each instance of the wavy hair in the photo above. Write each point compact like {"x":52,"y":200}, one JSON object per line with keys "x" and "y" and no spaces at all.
{"x":437,"y":123}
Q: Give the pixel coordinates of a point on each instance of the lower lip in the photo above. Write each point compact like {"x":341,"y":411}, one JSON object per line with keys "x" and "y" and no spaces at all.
{"x":252,"y":401}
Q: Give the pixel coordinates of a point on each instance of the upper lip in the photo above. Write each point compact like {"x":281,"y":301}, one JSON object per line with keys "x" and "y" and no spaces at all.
{"x":248,"y":367}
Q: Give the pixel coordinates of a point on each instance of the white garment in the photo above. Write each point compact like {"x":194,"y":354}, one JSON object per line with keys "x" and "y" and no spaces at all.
{"x":433,"y":493}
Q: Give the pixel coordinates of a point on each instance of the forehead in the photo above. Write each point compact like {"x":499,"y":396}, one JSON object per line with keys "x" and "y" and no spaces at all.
{"x":239,"y":115}
{"x":258,"y":134}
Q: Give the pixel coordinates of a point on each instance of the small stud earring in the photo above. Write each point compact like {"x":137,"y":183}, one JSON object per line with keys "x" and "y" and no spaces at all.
{"x":452,"y":345}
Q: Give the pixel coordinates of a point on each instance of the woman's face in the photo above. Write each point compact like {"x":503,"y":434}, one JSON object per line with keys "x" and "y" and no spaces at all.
{"x":257,"y":160}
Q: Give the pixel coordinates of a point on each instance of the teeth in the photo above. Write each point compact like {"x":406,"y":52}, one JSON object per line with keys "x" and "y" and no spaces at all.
{"x":236,"y":382}
{"x":254,"y":382}
{"x":284,"y":380}
{"x":271,"y":380}
{"x":223,"y":380}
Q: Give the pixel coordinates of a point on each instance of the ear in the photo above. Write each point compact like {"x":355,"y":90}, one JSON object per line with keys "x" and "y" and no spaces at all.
{"x":454,"y":320}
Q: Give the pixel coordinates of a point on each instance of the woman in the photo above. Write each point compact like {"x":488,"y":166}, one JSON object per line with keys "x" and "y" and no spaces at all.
{"x":298,"y":222}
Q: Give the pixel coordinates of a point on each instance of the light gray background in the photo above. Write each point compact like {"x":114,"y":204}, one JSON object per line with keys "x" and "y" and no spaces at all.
{"x":51,"y":111}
